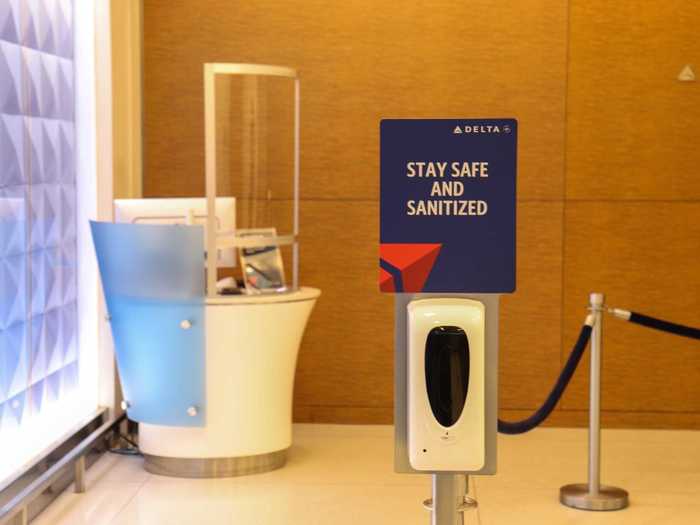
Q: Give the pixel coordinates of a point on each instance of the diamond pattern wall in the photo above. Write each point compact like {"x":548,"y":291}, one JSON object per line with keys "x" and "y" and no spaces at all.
{"x":38,"y":277}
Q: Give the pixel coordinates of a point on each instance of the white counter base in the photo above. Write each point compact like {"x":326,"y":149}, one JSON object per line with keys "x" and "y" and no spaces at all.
{"x":251,"y":354}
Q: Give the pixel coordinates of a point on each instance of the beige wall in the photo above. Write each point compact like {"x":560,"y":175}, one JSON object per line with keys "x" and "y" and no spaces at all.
{"x":607,"y":198}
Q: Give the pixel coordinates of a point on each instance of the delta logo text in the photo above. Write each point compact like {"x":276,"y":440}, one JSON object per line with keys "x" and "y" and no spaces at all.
{"x":482,"y":129}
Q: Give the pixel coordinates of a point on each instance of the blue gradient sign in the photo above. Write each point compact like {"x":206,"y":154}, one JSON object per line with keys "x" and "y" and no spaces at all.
{"x":447,"y":205}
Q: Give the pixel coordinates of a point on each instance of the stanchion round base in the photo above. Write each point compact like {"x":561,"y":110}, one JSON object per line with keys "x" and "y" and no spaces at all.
{"x":608,"y":498}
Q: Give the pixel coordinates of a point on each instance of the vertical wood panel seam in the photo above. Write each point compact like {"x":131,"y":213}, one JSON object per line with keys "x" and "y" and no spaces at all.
{"x":567,"y":61}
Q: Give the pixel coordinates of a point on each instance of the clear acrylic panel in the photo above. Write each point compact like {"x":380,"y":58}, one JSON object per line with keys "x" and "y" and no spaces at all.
{"x":255,"y":149}
{"x":252,"y":155}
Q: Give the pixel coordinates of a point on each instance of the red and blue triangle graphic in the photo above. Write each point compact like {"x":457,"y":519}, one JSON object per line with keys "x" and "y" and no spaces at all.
{"x":406,"y":267}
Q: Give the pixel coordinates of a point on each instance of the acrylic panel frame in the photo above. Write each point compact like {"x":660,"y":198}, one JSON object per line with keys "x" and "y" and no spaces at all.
{"x":211,"y":70}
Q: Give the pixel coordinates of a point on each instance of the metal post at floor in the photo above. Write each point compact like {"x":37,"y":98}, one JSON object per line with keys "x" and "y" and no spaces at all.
{"x":21,"y":518}
{"x":79,"y":481}
{"x":450,"y":500}
{"x":593,"y":495}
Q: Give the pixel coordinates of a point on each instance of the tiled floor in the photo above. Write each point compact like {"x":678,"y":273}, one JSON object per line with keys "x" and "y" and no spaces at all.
{"x":344,"y":475}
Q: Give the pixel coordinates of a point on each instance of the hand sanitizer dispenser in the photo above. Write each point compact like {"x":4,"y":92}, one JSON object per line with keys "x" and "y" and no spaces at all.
{"x":446,"y":384}
{"x":447,"y":262}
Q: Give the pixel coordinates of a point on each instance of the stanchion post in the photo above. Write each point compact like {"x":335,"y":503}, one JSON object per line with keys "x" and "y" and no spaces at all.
{"x":597,"y":301}
{"x":593,"y":495}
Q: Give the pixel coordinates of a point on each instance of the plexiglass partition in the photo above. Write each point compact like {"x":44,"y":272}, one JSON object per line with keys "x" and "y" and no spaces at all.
{"x":252,"y":154}
{"x":154,"y":287}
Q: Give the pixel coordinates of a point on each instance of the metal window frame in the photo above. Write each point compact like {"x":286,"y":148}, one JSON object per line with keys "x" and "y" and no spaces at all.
{"x":29,"y":494}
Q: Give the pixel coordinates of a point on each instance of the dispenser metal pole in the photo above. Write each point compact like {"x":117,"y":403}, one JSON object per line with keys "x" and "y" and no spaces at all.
{"x":450,"y":500}
{"x":593,"y":495}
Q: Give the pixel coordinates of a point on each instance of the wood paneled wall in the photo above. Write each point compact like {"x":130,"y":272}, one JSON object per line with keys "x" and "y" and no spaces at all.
{"x":632,"y":208}
{"x":607,"y":196}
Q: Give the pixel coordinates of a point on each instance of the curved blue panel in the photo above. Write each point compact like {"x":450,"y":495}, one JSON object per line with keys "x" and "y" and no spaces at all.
{"x":150,"y":261}
{"x":153,"y":279}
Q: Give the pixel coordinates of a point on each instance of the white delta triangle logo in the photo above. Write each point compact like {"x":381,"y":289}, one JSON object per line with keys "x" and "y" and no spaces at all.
{"x":484,"y":128}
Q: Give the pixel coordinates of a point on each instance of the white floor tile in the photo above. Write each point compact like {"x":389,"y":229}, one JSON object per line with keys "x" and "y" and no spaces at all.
{"x":113,"y":467}
{"x":535,"y":507}
{"x":344,"y":475}
{"x":221,"y":502}
{"x":98,"y":506}
{"x":632,"y":459}
{"x":336,"y":454}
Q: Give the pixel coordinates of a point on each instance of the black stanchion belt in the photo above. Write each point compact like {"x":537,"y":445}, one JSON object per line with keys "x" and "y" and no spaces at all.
{"x":664,"y":326}
{"x":525,"y":425}
{"x":520,"y":427}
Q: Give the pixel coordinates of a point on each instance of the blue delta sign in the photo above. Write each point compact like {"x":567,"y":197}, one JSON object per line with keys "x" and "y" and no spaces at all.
{"x":447,"y":205}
